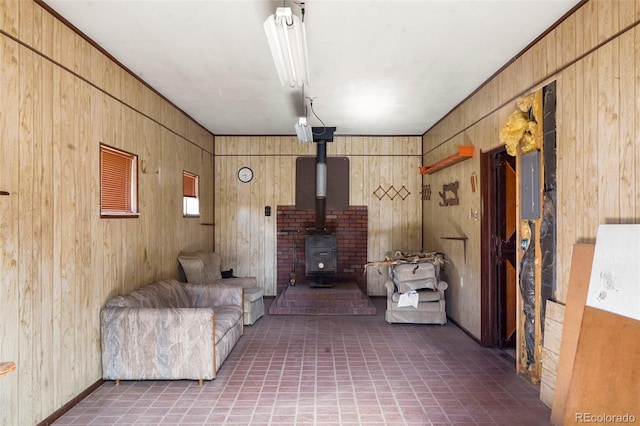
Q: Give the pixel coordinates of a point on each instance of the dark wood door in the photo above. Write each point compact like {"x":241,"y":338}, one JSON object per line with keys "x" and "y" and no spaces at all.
{"x":498,"y":241}
{"x":505,"y":240}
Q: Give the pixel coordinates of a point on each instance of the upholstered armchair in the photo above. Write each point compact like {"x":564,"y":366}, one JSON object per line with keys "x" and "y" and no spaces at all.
{"x":204,"y":268}
{"x":415,"y":294}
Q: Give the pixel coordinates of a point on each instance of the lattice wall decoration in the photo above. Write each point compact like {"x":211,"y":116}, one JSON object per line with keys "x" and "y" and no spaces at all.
{"x":391,"y":192}
{"x":426,"y":192}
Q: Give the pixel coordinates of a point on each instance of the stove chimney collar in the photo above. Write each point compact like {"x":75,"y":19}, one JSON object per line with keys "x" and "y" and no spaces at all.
{"x":323,"y":134}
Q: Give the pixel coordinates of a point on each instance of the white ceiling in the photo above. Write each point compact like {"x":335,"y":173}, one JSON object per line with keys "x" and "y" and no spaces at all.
{"x":377,"y":67}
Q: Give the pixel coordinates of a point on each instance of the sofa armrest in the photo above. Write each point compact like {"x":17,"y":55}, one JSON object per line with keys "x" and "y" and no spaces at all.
{"x":244,"y":282}
{"x":442,"y":286}
{"x":391,"y":288}
{"x":208,"y":295}
{"x":157,"y":343}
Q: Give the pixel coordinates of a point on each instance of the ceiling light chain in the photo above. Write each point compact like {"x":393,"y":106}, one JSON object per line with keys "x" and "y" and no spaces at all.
{"x":304,"y":105}
{"x":316,"y":115}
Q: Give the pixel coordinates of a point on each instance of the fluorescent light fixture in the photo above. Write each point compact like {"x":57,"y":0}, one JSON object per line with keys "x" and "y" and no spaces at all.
{"x":303,"y":130}
{"x":288,"y":44}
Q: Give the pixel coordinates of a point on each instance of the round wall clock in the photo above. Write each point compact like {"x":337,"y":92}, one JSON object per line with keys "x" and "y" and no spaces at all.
{"x":245,"y":174}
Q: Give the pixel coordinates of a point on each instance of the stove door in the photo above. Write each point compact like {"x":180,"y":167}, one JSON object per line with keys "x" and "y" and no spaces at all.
{"x":321,"y":254}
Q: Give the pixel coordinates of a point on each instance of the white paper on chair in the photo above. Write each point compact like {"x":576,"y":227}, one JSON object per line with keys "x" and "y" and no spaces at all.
{"x":408,"y":299}
{"x":615,"y":275}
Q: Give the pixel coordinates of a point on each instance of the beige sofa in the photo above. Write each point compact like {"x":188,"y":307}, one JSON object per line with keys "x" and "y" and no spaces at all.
{"x":204,"y":268}
{"x":170,"y":330}
{"x":417,"y":286}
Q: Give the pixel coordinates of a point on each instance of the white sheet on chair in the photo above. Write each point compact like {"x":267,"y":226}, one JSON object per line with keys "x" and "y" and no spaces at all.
{"x":408,"y":299}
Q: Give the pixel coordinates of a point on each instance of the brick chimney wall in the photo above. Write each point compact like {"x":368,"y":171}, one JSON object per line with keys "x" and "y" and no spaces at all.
{"x":350,"y":227}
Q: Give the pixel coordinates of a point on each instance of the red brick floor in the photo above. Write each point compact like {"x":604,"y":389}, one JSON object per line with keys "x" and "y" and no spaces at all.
{"x":333,"y":370}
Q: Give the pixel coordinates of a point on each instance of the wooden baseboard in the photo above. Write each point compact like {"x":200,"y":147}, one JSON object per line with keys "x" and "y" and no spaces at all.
{"x":467,"y":332}
{"x":69,"y":405}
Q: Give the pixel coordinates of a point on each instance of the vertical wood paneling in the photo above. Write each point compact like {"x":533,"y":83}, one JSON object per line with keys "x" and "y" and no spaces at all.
{"x":100,"y":289}
{"x":581,"y":178}
{"x":87,"y":342}
{"x":59,"y":261}
{"x":627,"y":12}
{"x":68,"y":261}
{"x":607,"y":17}
{"x":256,"y":219}
{"x":636,"y":129}
{"x":243,"y":211}
{"x":607,"y":139}
{"x":626,"y":114}
{"x":239,"y":207}
{"x":25,"y":228}
{"x":551,"y":55}
{"x":375,"y":247}
{"x":269,"y":257}
{"x":37,"y":252}
{"x":589,"y":123}
{"x":455,"y":221}
{"x":566,"y":154}
{"x":385,"y":219}
{"x":597,"y":123}
{"x":66,"y":352}
{"x":54,"y":327}
{"x":567,"y":140}
{"x":46,"y":365}
{"x":9,"y":16}
{"x":9,"y":225}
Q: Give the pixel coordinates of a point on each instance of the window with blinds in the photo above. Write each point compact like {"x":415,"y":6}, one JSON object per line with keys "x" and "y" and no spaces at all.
{"x":190,"y":195}
{"x":118,"y":183}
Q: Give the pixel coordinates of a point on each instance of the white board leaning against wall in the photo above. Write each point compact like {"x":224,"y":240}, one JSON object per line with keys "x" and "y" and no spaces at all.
{"x":615,"y":277}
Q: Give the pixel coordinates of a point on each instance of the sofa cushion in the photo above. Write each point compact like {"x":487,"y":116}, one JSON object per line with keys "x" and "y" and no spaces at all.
{"x":162,"y":294}
{"x":415,"y":276}
{"x":201,"y":267}
{"x":423,"y":296}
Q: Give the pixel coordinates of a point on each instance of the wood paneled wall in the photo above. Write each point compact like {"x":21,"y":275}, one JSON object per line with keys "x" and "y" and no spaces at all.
{"x":594,"y":55}
{"x":59,"y":262}
{"x":246,"y":239}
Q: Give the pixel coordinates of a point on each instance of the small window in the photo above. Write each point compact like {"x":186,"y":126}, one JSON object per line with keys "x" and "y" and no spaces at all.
{"x":118,"y":183}
{"x":190,"y":195}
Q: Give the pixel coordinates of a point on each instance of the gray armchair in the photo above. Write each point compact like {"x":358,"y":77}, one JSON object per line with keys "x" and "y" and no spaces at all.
{"x":415,"y":294}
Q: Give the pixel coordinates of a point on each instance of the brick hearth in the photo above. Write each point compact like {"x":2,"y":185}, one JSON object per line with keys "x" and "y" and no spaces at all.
{"x":340,"y":299}
{"x":351,"y":229}
{"x":347,"y":295}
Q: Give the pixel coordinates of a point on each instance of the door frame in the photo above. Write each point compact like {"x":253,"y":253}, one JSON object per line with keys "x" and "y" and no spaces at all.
{"x":488,"y":255}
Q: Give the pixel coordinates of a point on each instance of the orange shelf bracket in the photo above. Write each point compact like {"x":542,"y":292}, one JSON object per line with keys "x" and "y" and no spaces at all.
{"x":464,"y":152}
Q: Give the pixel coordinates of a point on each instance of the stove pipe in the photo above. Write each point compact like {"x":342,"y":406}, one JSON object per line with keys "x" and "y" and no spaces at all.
{"x":321,"y":185}
{"x":321,"y":135}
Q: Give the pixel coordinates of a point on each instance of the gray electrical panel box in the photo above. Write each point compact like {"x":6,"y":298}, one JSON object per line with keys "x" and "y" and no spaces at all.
{"x":530,"y":185}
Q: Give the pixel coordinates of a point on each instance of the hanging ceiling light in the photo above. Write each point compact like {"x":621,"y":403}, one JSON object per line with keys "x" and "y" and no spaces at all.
{"x":288,"y":44}
{"x":303,"y":130}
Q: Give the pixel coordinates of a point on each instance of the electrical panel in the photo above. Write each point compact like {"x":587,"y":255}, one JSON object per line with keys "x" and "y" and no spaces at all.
{"x":530,"y":185}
